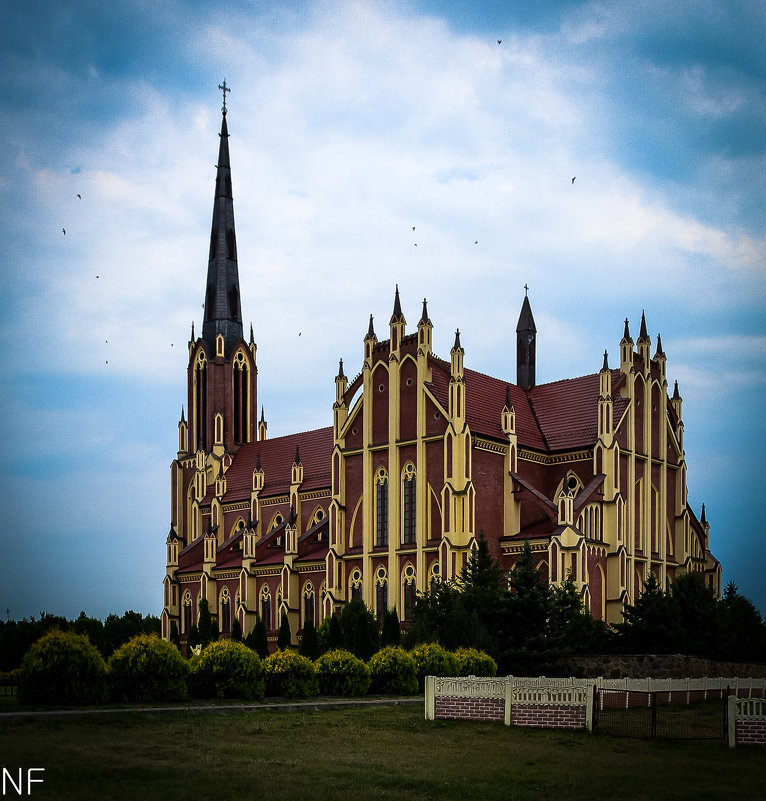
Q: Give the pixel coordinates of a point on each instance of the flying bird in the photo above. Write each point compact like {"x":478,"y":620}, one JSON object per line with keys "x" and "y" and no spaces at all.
{"x":573,"y":180}
{"x":499,"y":41}
{"x":413,"y":227}
{"x":79,"y":195}
{"x":63,"y":230}
{"x":476,"y":242}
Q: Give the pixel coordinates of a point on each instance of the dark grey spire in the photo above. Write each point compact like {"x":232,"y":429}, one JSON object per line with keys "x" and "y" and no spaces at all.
{"x":526,"y":335}
{"x":223,"y":313}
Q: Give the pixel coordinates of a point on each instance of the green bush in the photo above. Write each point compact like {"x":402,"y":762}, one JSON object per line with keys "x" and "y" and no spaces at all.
{"x":62,"y":668}
{"x":147,"y":668}
{"x":9,"y":678}
{"x":289,"y":674}
{"x":471,"y":662}
{"x":392,"y":670}
{"x":431,"y":659}
{"x":226,"y":669}
{"x":341,"y":673}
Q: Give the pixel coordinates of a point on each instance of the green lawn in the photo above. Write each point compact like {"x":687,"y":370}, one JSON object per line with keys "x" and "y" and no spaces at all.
{"x":383,"y":752}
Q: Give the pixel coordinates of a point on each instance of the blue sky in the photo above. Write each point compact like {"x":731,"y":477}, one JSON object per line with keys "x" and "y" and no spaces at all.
{"x":352,"y":122}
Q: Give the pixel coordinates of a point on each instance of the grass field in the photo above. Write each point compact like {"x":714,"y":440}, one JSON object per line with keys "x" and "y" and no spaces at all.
{"x":373,"y":753}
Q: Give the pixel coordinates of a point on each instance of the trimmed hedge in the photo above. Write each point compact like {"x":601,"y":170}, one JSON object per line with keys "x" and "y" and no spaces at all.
{"x":432,"y":659}
{"x":62,"y":668}
{"x":289,"y":674}
{"x":339,"y":672}
{"x":227,"y":669}
{"x":392,"y":671}
{"x":147,"y":668}
{"x":472,"y":662}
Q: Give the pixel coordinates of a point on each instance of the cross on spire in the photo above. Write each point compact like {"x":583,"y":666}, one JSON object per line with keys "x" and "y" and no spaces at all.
{"x":526,"y":290}
{"x":224,"y":88}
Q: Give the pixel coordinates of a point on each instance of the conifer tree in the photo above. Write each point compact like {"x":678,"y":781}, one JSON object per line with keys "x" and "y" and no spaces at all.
{"x":208,"y":630}
{"x":391,"y":633}
{"x":236,"y":630}
{"x":309,"y":646}
{"x":257,"y":639}
{"x":284,"y":637}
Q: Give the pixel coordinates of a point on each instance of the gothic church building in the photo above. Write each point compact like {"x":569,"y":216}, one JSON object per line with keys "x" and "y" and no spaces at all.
{"x":423,"y":455}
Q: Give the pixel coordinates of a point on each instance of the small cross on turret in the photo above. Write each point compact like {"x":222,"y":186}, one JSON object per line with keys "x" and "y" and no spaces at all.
{"x":224,"y":88}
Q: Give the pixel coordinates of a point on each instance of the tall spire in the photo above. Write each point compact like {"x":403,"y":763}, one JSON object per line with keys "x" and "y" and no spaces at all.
{"x":223,"y":312}
{"x":526,"y":334}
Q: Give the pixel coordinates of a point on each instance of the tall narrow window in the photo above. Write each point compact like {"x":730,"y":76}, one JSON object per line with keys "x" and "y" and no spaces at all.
{"x":241,"y":399}
{"x":408,"y":581}
{"x":266,"y":608}
{"x":225,"y":613}
{"x":356,"y":585}
{"x":381,"y":508}
{"x":200,"y":402}
{"x":308,"y":604}
{"x":409,"y":500}
{"x":381,"y":593}
{"x":187,"y":618}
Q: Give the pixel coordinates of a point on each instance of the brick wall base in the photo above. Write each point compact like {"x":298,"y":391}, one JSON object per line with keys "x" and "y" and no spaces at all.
{"x":548,"y":717}
{"x":469,"y":708}
{"x":751,"y":732}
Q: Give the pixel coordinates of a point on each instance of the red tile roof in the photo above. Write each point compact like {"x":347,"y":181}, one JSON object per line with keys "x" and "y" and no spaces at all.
{"x":567,"y":411}
{"x":277,"y":457}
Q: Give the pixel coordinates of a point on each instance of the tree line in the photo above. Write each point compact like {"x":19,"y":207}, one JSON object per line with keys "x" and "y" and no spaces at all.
{"x":528,"y":626}
{"x":16,"y":636}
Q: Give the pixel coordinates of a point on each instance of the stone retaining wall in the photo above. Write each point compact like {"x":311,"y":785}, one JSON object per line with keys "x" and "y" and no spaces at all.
{"x":674,"y":666}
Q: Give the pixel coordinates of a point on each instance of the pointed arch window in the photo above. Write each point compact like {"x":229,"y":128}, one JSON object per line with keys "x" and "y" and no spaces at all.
{"x":381,"y":508}
{"x":225,"y":611}
{"x":266,"y":608}
{"x":186,"y":620}
{"x":381,"y":592}
{"x":200,"y":402}
{"x":355,"y":585}
{"x":409,"y":505}
{"x":308,"y":603}
{"x":241,"y":395}
{"x":408,"y":592}
{"x":433,"y":578}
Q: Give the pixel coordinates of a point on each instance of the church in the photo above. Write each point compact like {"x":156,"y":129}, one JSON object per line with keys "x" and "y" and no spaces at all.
{"x":421,"y":457}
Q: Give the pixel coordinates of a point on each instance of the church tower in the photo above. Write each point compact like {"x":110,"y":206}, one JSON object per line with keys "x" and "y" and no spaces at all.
{"x":222,"y":368}
{"x":526,"y":334}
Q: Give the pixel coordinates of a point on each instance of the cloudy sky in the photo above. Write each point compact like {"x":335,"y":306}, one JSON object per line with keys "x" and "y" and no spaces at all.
{"x":352,"y":122}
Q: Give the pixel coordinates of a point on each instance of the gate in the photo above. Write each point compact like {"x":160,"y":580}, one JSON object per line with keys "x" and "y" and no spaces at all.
{"x":668,"y":715}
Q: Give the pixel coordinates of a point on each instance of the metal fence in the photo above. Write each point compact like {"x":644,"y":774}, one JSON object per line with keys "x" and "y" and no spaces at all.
{"x":661,"y":714}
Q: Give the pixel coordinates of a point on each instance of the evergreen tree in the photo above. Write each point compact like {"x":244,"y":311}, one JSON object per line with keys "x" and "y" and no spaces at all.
{"x":175,"y":637}
{"x":572,"y":627}
{"x":309,"y":646}
{"x":208,"y":630}
{"x":258,"y":639}
{"x":743,"y":632}
{"x":236,"y":630}
{"x":284,"y":637}
{"x":335,"y":633}
{"x":650,"y":625}
{"x":360,"y":629}
{"x":193,"y":640}
{"x":391,"y":633}
{"x":524,"y":643}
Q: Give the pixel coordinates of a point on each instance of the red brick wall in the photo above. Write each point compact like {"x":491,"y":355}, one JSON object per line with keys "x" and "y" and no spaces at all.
{"x":548,"y":717}
{"x":544,"y":717}
{"x":469,"y":708}
{"x":751,"y":732}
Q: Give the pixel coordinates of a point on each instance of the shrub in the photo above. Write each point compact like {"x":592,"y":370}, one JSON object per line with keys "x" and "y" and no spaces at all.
{"x":391,"y":633}
{"x":62,"y":668}
{"x":341,"y":673}
{"x":471,"y":662}
{"x":147,"y":668}
{"x":284,"y":636}
{"x":431,"y":659}
{"x":392,"y":670}
{"x":330,"y":634}
{"x":227,"y":669}
{"x":289,"y":674}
